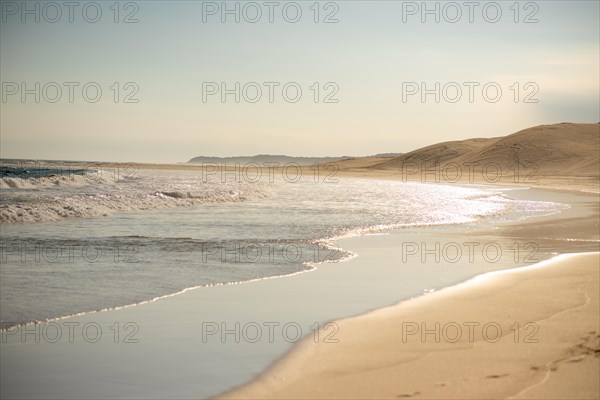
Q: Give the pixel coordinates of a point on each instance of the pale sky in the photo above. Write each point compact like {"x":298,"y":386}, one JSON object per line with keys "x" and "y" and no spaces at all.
{"x":377,"y":53}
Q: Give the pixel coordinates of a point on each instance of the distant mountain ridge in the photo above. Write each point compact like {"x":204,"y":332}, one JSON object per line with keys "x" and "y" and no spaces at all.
{"x":281,"y":159}
{"x":263,"y":158}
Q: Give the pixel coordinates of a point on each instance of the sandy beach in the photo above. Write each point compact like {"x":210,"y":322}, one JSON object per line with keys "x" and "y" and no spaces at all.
{"x":527,"y":333}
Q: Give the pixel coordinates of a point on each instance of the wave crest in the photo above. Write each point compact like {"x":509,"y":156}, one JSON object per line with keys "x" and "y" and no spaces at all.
{"x":54,"y":198}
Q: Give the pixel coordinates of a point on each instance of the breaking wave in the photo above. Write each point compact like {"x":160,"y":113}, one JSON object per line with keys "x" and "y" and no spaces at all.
{"x":54,"y":195}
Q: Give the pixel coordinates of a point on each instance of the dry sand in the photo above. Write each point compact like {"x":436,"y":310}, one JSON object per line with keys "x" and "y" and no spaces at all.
{"x":549,"y":346}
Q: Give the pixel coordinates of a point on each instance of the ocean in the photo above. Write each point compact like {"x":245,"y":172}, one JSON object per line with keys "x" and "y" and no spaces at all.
{"x":97,"y":236}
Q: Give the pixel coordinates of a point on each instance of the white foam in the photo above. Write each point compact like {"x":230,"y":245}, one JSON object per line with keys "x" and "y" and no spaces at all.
{"x":53,"y":198}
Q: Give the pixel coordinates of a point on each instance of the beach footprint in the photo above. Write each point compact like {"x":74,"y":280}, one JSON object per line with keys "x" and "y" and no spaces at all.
{"x":408,"y":395}
{"x":496,"y":376}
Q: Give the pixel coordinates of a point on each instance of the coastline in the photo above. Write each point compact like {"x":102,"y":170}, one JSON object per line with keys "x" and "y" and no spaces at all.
{"x":170,"y":330}
{"x":360,"y":168}
{"x":400,"y":352}
{"x":548,"y":348}
{"x":354,"y":200}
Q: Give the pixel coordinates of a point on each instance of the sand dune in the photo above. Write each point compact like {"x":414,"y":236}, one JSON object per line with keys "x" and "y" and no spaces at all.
{"x":560,"y":149}
{"x":439,"y":152}
{"x":560,"y":155}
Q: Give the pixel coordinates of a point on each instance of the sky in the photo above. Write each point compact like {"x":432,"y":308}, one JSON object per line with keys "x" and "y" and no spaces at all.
{"x":165,"y":81}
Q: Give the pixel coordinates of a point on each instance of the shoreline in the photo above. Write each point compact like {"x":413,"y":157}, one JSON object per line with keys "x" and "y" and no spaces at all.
{"x":312,"y":265}
{"x":315,"y":371}
{"x":311,"y":370}
{"x":172,"y":327}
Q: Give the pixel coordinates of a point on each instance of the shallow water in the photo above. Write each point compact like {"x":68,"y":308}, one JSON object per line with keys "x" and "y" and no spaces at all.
{"x":126,"y":242}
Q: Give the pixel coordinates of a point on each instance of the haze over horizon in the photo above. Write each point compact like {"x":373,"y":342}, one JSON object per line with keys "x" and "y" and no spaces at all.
{"x":169,"y":60}
{"x":307,"y":199}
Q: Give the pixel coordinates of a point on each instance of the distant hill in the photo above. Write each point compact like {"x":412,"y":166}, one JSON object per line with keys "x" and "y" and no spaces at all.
{"x":564,"y":149}
{"x":265,"y":158}
{"x":387,"y":155}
